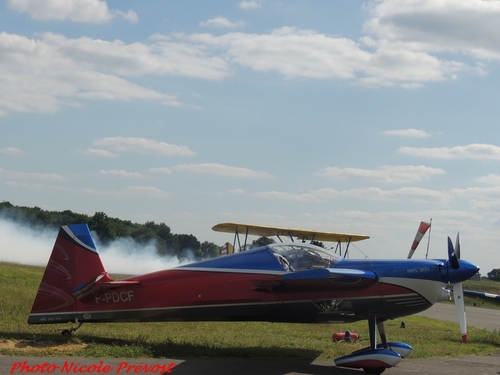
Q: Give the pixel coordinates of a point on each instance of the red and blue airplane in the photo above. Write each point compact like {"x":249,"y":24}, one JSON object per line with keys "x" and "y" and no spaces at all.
{"x":294,"y":282}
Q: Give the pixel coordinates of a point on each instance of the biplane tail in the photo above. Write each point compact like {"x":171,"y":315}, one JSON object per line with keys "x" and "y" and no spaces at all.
{"x":73,"y":265}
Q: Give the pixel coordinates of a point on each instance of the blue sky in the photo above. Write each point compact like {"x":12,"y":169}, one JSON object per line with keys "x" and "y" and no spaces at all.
{"x":354,"y":116}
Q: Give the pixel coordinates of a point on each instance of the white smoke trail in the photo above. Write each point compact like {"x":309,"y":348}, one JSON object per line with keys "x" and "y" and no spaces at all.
{"x":127,"y":256}
{"x":21,"y":244}
{"x":25,"y":245}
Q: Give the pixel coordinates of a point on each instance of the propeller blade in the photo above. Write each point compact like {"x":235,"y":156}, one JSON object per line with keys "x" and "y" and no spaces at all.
{"x":452,"y":256}
{"x":457,"y":245}
{"x":458,"y":296}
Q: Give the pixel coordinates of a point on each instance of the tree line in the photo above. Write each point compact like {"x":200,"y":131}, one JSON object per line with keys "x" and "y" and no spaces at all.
{"x":109,"y":229}
{"x":494,"y":274}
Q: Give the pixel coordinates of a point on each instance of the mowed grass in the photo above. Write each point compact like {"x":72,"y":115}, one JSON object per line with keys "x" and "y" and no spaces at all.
{"x":19,"y":284}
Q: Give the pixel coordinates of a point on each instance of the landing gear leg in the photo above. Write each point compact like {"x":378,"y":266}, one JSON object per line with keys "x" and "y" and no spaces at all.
{"x":381,"y":331}
{"x":373,"y":324}
{"x":68,"y":332}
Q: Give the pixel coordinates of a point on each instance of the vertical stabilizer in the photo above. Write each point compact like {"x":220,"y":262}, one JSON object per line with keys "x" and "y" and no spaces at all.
{"x":74,"y":261}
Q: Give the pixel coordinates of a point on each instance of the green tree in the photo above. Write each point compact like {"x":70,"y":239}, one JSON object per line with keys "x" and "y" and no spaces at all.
{"x":262,"y":241}
{"x":188,"y":242}
{"x":104,"y":228}
{"x":494,"y":274}
{"x":143,"y":234}
{"x":209,"y":250}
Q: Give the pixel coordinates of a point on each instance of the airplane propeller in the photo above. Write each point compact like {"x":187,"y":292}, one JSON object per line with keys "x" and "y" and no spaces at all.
{"x":458,"y":292}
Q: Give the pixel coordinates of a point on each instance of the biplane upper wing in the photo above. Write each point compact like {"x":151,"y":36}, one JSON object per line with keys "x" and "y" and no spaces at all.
{"x":301,"y":234}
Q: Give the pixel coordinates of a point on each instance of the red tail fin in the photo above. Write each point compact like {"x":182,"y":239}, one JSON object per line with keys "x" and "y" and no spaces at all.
{"x":74,"y":262}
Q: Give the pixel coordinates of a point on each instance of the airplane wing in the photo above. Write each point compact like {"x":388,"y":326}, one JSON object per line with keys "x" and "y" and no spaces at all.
{"x":333,"y":279}
{"x":489,"y":297}
{"x":301,"y":234}
{"x":101,"y":284}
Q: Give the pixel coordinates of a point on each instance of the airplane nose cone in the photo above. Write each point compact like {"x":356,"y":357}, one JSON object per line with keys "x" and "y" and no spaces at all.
{"x":464,"y":272}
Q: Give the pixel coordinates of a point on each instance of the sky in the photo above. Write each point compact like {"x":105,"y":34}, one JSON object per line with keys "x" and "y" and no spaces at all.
{"x":362,"y":117}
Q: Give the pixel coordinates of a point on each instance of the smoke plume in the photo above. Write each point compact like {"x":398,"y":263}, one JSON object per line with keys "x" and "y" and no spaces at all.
{"x":25,"y":245}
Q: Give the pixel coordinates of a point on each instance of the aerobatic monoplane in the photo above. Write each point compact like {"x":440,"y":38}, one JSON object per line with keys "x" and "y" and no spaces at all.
{"x":294,"y":282}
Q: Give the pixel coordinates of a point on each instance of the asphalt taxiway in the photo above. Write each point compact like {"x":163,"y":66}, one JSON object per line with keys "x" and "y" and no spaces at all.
{"x":489,"y":365}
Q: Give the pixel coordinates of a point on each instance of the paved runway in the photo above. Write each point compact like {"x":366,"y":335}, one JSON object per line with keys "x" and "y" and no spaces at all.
{"x":482,"y":318}
{"x":476,"y":317}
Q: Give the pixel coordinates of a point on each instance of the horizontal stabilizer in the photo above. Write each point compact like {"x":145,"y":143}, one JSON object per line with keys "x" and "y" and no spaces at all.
{"x":101,"y":284}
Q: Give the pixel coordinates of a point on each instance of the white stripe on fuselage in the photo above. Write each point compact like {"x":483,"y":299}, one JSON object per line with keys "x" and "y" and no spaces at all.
{"x":432,"y":291}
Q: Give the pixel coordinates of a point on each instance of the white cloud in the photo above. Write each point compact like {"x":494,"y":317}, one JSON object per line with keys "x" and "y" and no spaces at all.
{"x":142,"y":145}
{"x":481,"y":205}
{"x":221,"y":170}
{"x":291,"y":52}
{"x":12,"y":151}
{"x":410,"y":133}
{"x":327,"y":193}
{"x":99,"y":153}
{"x":91,"y":11}
{"x":308,"y":54}
{"x":120,"y":173}
{"x":412,"y":194}
{"x":128,"y":192}
{"x":236,"y":191}
{"x":391,"y":174}
{"x":305,"y":197}
{"x":476,"y":151}
{"x":489,"y":192}
{"x":30,"y":175}
{"x":222,"y":22}
{"x":69,"y":71}
{"x":161,"y":55}
{"x":372,"y":193}
{"x":160,"y":170}
{"x":129,"y":16}
{"x":251,"y":4}
{"x":490,"y":179}
{"x":470,"y":27}
{"x":148,"y":191}
{"x":399,"y":47}
{"x":406,"y":43}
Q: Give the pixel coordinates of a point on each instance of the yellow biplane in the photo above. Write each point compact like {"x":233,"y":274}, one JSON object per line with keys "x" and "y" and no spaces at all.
{"x":292,"y":234}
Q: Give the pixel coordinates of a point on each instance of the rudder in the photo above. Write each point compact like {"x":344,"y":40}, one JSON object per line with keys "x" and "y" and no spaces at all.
{"x":74,"y":262}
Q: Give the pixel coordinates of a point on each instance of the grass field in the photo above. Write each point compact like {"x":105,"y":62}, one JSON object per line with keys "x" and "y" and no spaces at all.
{"x":19,"y":283}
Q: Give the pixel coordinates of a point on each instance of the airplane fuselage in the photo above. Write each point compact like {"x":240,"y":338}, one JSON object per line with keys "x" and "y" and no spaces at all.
{"x":199,"y":293}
